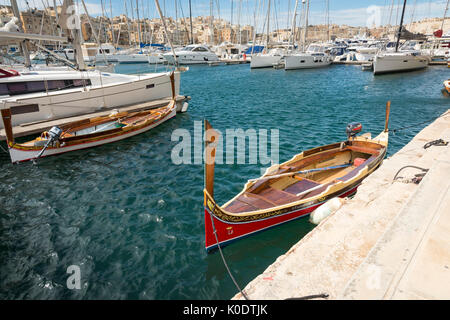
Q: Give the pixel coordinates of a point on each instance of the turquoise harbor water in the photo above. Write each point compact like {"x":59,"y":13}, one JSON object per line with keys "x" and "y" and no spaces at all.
{"x":133,"y":221}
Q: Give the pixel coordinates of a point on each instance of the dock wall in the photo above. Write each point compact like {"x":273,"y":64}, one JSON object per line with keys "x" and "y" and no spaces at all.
{"x":391,"y":241}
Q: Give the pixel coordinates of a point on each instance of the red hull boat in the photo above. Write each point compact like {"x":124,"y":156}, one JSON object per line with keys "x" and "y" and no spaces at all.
{"x":293,"y":189}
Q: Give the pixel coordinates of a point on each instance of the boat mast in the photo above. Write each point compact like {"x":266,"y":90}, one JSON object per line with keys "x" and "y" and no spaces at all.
{"x":111,"y":23}
{"x":305,"y":33}
{"x":138,"y":23}
{"x":128,"y":24}
{"x":401,"y":27}
{"x":255,"y":26}
{"x":328,"y":20}
{"x":167,"y":34}
{"x":177,"y":40}
{"x":268,"y":29}
{"x":73,"y":33}
{"x":294,"y":17}
{"x":23,"y":45}
{"x":190,"y":20}
{"x":211,"y":23}
{"x":445,"y":13}
{"x":239,"y":22}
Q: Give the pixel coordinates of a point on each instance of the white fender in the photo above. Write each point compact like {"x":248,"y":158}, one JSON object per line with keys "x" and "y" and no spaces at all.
{"x":325,"y":210}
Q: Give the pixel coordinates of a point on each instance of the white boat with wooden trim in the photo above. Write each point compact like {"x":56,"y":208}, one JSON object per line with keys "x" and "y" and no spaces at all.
{"x":293,"y":189}
{"x":86,"y":133}
{"x":41,"y":95}
{"x":447,"y":87}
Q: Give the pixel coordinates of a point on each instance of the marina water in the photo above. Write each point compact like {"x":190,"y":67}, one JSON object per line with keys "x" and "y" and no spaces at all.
{"x":133,"y":221}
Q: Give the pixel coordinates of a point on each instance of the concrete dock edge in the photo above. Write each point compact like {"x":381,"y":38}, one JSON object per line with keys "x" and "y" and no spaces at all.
{"x":391,"y":241}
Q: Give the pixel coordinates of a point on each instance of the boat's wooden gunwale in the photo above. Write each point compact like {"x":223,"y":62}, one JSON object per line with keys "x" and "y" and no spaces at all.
{"x":103,"y":135}
{"x":329,"y":188}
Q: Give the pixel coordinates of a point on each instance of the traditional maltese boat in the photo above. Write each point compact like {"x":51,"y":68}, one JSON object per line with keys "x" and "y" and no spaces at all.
{"x":447,"y":86}
{"x":87,"y":133}
{"x":293,"y":189}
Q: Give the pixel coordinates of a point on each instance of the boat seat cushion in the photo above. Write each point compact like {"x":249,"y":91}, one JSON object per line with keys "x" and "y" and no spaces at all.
{"x":358,"y":161}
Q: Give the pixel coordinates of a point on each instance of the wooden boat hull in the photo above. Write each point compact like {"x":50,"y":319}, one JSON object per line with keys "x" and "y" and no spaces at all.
{"x":20,"y":154}
{"x":233,"y":227}
{"x":292,"y":189}
{"x":228,"y":232}
{"x":78,"y":101}
{"x":447,"y":86}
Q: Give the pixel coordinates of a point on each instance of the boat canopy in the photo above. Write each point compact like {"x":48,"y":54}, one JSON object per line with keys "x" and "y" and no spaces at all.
{"x":143,"y":45}
{"x":255,"y":49}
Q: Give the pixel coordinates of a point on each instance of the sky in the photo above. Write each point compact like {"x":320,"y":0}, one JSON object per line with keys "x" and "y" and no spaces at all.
{"x":350,"y":12}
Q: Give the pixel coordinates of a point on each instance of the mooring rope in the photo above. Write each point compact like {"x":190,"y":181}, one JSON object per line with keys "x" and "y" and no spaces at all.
{"x":418,"y":124}
{"x":419,"y":176}
{"x":438,"y":143}
{"x":223,"y":258}
{"x":1,"y":147}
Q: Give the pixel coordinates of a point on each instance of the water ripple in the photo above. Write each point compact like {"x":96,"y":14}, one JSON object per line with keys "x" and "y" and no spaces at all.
{"x":133,"y":221}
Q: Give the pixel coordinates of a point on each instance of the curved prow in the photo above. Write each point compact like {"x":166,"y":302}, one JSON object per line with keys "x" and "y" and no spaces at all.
{"x":211,"y":139}
{"x":172,"y":82}
{"x":383,"y":137}
{"x":6,"y":116}
{"x":388,"y":110}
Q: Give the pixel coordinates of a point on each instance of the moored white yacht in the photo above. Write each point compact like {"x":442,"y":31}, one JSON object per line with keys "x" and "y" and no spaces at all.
{"x":390,"y":62}
{"x":41,"y":94}
{"x":51,"y":94}
{"x":315,"y":57}
{"x":267,"y":60}
{"x":192,"y":54}
{"x":399,"y":61}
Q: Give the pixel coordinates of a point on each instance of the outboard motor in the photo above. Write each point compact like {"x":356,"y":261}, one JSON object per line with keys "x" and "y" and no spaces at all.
{"x":55,"y":134}
{"x":353,"y":129}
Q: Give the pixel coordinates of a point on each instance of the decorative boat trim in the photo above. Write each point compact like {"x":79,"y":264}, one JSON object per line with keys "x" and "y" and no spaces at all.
{"x":67,"y":139}
{"x":259,"y":206}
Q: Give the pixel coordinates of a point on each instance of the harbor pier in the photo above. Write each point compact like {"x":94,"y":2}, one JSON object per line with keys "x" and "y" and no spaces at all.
{"x":391,"y":241}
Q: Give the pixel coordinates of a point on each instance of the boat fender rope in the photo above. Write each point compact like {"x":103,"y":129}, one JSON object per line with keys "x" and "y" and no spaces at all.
{"x":223,"y":258}
{"x":438,"y":143}
{"x":3,"y":149}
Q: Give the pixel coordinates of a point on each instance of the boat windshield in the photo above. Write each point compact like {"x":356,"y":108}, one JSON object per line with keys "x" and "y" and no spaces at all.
{"x":188,"y":48}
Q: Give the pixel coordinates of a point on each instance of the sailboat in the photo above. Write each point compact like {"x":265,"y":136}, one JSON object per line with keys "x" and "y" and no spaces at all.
{"x":293,"y":189}
{"x":268,"y":57}
{"x":87,"y":133}
{"x":42,"y":95}
{"x":399,"y":61}
{"x":315,"y":56}
{"x":192,"y":53}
